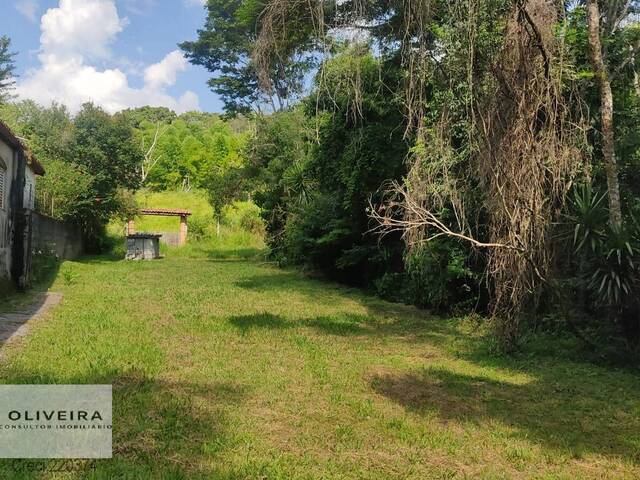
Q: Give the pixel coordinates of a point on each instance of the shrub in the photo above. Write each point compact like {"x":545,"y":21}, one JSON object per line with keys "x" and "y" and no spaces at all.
{"x":43,"y":263}
{"x":200,"y":227}
{"x":244,"y":216}
{"x":604,"y":265}
{"x":440,"y":277}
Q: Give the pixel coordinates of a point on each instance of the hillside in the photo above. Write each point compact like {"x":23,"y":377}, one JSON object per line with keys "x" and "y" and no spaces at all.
{"x":194,"y":200}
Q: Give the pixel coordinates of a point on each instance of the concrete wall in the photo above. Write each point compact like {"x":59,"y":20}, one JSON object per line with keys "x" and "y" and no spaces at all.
{"x":170,"y":238}
{"x":48,"y":233}
{"x":7,"y":163}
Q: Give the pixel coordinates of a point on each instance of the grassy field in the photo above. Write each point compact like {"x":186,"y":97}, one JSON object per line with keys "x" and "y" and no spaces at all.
{"x":226,"y":368}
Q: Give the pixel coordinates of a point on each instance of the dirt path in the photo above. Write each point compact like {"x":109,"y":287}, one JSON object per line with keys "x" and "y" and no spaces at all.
{"x":16,"y":325}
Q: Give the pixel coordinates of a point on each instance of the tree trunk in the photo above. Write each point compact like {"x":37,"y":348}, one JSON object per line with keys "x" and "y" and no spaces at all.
{"x":606,"y":112}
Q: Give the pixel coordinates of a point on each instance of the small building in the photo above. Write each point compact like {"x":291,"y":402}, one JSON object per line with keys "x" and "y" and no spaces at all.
{"x":143,"y":246}
{"x":18,"y":170}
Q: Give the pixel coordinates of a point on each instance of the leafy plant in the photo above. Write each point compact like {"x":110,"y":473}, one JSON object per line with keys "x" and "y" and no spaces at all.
{"x":616,"y":276}
{"x":588,"y":217}
{"x":441,"y":277}
{"x":606,"y":261}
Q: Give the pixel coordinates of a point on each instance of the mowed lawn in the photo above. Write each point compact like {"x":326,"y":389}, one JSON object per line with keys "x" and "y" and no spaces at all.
{"x":227,"y":368}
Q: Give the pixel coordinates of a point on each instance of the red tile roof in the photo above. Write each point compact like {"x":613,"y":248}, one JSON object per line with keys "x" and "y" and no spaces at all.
{"x":15,"y":142}
{"x":164,"y":211}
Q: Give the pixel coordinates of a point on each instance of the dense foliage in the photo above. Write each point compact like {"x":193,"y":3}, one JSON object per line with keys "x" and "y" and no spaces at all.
{"x":467,"y":127}
{"x":182,"y":152}
{"x":95,"y":162}
{"x":91,"y":162}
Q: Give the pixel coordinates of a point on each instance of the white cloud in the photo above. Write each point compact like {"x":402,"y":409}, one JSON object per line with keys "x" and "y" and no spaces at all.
{"x":193,"y":3}
{"x":85,"y":27}
{"x":164,"y":73}
{"x":28,"y":8}
{"x":188,"y":102}
{"x":79,"y":31}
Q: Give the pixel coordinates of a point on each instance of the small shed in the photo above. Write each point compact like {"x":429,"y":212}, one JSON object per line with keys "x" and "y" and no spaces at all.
{"x":143,"y":246}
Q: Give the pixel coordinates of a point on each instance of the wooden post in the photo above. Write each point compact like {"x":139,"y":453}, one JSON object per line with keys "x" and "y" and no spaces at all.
{"x":183,"y":230}
{"x":131,"y":227}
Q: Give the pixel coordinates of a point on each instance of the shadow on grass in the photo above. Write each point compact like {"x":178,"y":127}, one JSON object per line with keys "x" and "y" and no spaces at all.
{"x":278,"y":280}
{"x":161,"y":428}
{"x":340,"y":324}
{"x":236,"y":253}
{"x":258,"y":321}
{"x":102,"y":259}
{"x":570,"y":414}
{"x":283,"y":280}
{"x":570,"y":406}
{"x":327,"y":292}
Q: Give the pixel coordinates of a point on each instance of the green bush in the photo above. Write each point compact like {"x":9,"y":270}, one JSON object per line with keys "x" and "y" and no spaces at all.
{"x":244,"y":216}
{"x":604,"y":266}
{"x":200,"y":227}
{"x":439,"y":277}
{"x":43,"y":263}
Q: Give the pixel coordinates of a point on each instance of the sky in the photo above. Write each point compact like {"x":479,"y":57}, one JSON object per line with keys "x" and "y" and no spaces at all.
{"x":115,"y":53}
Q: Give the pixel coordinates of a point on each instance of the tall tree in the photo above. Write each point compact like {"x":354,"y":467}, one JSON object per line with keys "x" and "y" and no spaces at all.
{"x":106,"y":148}
{"x":225,"y":47}
{"x":7,"y":67}
{"x":606,"y":112}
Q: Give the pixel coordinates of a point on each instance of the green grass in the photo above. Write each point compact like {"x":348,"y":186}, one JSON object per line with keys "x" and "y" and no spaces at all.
{"x":232,"y":243}
{"x":224,"y":368}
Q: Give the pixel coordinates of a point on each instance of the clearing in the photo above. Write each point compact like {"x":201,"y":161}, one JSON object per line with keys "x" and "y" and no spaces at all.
{"x":231,"y":368}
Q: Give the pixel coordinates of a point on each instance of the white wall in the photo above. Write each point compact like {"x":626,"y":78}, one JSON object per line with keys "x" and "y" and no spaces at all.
{"x":29,"y":189}
{"x":6,"y":153}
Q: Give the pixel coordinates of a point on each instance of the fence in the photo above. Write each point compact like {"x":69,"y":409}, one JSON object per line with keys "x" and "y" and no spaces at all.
{"x":45,"y":203}
{"x":170,"y":238}
{"x":49,"y":234}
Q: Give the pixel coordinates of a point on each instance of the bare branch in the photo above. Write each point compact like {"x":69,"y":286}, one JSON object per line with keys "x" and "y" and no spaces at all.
{"x":149,"y":161}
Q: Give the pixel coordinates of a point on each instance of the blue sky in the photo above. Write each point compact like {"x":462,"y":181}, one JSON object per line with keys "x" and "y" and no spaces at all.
{"x":117,"y":53}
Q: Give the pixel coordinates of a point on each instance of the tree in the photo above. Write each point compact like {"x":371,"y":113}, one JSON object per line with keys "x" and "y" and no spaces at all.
{"x":90,"y":161}
{"x":606,"y":111}
{"x":484,"y":99}
{"x":225,"y":47}
{"x":7,"y":67}
{"x":225,"y":185}
{"x":49,"y":131}
{"x":150,"y":114}
{"x":105,"y":148}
